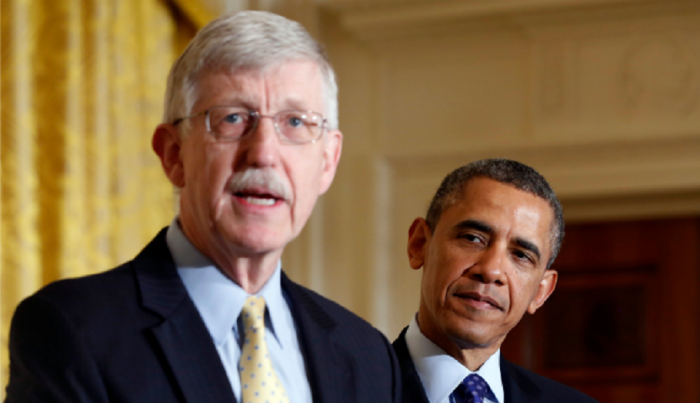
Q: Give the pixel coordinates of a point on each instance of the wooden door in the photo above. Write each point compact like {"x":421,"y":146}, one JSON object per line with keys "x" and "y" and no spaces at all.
{"x":622,"y":325}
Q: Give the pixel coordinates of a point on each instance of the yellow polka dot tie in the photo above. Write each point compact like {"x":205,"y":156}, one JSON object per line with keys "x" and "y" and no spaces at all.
{"x":259,"y":383}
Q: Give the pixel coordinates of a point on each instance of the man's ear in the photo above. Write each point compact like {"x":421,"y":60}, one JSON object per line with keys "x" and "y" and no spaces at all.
{"x":166,"y":144}
{"x":544,"y":290}
{"x":418,"y":236}
{"x":332,"y":148}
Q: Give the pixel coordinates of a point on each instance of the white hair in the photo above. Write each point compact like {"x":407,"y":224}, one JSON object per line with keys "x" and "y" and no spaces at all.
{"x":245,"y":40}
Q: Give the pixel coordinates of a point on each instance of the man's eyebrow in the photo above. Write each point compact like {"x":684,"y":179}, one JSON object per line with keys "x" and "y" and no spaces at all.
{"x":476,"y":225}
{"x":252,"y":103}
{"x":525,"y":244}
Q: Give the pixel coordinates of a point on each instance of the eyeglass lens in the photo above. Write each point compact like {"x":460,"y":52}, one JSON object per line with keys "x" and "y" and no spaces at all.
{"x":231,"y":123}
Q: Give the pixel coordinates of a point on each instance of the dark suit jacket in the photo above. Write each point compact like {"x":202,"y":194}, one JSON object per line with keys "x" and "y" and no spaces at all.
{"x":519,"y":384}
{"x":133,"y":334}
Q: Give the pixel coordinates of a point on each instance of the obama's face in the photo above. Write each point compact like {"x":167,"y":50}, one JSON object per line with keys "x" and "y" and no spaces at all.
{"x":484,"y":265}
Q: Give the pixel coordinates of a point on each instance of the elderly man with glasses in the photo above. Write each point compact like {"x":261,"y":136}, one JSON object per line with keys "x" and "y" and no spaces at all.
{"x":204,"y":313}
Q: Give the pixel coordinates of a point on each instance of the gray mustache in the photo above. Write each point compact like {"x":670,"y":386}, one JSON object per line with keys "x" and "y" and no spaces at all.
{"x":265,"y":178}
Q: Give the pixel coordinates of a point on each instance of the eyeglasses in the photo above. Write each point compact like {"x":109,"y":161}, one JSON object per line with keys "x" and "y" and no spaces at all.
{"x":230,"y":123}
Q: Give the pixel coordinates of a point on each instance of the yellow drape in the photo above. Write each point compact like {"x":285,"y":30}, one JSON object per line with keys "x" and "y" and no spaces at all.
{"x":199,"y":12}
{"x":82,"y":90}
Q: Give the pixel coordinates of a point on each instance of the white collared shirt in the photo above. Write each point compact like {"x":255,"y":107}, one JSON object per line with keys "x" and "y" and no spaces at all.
{"x":219,"y":301}
{"x":440,"y":373}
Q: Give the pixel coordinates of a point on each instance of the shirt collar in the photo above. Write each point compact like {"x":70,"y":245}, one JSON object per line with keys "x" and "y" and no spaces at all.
{"x":440,"y":373}
{"x":219,"y":299}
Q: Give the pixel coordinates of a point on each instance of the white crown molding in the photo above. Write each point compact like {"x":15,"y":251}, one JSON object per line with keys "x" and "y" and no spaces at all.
{"x":616,"y":170}
{"x":387,"y":19}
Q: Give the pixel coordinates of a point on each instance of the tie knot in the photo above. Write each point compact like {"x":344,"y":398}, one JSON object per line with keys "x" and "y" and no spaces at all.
{"x":476,"y":387}
{"x":253,"y":312}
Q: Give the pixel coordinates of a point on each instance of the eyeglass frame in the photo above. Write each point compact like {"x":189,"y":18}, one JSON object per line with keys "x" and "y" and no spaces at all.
{"x":256,"y":121}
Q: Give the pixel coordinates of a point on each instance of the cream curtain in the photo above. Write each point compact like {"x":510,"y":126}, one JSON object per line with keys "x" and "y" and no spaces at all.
{"x":82,"y":90}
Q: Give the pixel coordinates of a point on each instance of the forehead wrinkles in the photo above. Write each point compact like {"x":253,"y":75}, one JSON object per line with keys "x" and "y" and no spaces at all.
{"x":272,"y":88}
{"x":525,"y":218}
{"x":220,"y":87}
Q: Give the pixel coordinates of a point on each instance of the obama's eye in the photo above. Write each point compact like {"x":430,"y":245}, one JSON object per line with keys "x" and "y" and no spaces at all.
{"x":471,"y":237}
{"x":523,"y":256}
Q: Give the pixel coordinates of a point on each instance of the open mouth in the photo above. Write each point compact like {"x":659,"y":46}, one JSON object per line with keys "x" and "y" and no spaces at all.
{"x":258,"y":198}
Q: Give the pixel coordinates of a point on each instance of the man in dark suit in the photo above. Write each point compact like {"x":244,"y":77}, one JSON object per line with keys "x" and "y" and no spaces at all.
{"x":486,"y":246}
{"x":204,"y":313}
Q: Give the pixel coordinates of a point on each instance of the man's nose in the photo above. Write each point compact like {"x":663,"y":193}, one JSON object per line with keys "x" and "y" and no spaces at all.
{"x":489,"y":269}
{"x":261,"y":146}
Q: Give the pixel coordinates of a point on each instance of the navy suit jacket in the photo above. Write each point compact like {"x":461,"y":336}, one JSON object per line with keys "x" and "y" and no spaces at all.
{"x":132,"y":334}
{"x":519,"y":384}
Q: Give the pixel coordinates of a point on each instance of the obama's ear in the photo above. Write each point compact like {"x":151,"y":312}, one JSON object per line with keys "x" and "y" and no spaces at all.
{"x":418,"y":236}
{"x":166,"y":144}
{"x":544,"y":290}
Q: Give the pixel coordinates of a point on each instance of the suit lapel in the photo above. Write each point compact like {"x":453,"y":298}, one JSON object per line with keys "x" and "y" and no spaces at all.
{"x":182,"y":336}
{"x":329,"y":368}
{"x":412,"y":390}
{"x":516,"y":387}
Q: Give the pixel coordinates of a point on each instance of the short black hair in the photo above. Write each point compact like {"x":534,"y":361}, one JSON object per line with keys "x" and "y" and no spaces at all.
{"x":505,"y":171}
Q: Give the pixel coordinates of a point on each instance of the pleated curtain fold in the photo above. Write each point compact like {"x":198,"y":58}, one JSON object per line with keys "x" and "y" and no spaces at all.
{"x":82,"y":85}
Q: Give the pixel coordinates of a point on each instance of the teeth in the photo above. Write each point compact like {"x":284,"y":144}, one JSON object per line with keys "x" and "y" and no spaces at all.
{"x":260,"y":201}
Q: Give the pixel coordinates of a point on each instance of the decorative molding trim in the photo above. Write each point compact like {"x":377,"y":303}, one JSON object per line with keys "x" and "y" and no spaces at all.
{"x":357,"y":14}
{"x":595,"y":171}
{"x":632,"y":79}
{"x":632,"y":207}
{"x":659,"y":75}
{"x":552,"y":80}
{"x":381,"y":20}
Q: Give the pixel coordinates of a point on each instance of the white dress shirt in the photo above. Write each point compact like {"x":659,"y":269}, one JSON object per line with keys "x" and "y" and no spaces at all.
{"x":440,"y":373}
{"x":219,"y":301}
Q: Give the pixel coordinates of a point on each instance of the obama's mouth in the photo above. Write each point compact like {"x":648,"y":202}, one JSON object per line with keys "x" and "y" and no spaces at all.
{"x":478,"y":300}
